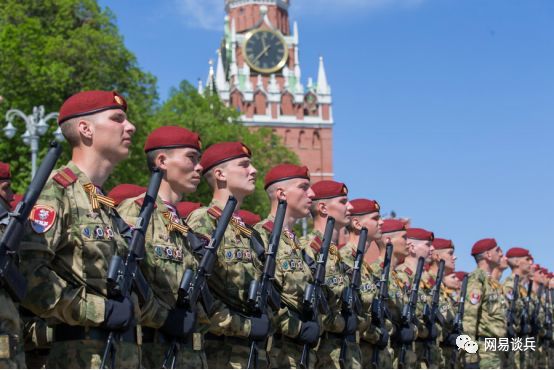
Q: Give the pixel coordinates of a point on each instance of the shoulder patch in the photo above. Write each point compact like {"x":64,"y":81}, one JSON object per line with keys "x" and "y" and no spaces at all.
{"x":215,"y":212}
{"x":268,"y":226}
{"x":42,"y":218}
{"x":65,"y":177}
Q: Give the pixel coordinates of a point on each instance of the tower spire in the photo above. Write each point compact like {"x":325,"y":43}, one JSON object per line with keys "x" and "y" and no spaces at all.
{"x":219,"y":73}
{"x":322,"y":85}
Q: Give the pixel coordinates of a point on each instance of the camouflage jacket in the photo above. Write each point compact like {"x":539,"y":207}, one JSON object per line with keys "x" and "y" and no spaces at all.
{"x":292,"y":274}
{"x":336,"y":279}
{"x":67,"y":249}
{"x":168,"y":255}
{"x":508,"y":291}
{"x":406,"y":276}
{"x":238,"y":263}
{"x":485,"y":307}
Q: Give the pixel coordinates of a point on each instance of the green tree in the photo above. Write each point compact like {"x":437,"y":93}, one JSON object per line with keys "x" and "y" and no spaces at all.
{"x":216,"y":122}
{"x":51,"y":49}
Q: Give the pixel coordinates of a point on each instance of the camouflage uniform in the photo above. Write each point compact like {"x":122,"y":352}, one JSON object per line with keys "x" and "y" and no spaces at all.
{"x":11,"y":352}
{"x":336,"y":279}
{"x":168,"y":255}
{"x":484,"y":317}
{"x":65,"y":260}
{"x":449,"y":308}
{"x":539,"y":354}
{"x":369,"y":334}
{"x":238,"y":263}
{"x":292,"y":274}
{"x":513,"y":359}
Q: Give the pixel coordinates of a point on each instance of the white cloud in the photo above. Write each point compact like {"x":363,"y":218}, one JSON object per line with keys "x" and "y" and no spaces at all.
{"x":204,"y":14}
{"x":208,"y":14}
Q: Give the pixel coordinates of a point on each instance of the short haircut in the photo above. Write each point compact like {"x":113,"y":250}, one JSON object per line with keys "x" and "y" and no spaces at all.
{"x":70,"y":131}
{"x":151,"y":157}
{"x":480,"y":256}
{"x":209,"y":175}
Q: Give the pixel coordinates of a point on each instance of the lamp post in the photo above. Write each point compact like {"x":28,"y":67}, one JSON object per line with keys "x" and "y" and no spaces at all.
{"x":36,"y":126}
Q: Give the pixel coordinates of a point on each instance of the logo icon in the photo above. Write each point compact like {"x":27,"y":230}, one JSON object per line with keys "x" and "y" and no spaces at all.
{"x":464,"y":342}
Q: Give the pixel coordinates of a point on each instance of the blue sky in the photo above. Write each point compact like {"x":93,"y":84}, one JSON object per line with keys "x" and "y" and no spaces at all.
{"x":443,"y":109}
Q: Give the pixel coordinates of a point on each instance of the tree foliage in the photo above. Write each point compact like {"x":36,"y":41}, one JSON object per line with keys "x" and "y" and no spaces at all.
{"x":52,"y":49}
{"x":215,"y":122}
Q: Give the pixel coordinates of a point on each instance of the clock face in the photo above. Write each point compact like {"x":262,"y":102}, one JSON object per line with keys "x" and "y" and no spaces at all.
{"x":265,"y":51}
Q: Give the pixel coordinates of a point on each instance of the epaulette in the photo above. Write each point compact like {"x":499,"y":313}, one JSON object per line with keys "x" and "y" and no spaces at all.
{"x":432,"y":282}
{"x":408,"y":271}
{"x":65,"y":177}
{"x":139,"y":201}
{"x":316,"y":244}
{"x":215,"y":212}
{"x":268,"y":226}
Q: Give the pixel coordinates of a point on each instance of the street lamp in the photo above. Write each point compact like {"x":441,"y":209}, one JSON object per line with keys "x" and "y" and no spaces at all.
{"x":36,"y":125}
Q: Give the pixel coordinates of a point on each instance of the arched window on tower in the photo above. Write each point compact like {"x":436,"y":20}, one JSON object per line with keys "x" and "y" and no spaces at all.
{"x":316,"y":140}
{"x":301,"y":139}
{"x":287,"y":108}
{"x":287,"y":140}
{"x":260,"y":103}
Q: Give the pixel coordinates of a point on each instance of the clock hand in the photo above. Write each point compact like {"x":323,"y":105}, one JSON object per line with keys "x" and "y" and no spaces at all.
{"x":261,"y":53}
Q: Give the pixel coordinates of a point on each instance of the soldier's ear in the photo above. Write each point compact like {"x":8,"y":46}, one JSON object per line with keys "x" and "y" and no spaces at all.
{"x":161,"y":160}
{"x":322,"y":208}
{"x":280,"y":194}
{"x":219,"y":174}
{"x":84,"y":127}
{"x":356,"y":223}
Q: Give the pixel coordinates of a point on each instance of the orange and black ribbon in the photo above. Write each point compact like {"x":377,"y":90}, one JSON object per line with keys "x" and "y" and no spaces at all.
{"x":97,"y":199}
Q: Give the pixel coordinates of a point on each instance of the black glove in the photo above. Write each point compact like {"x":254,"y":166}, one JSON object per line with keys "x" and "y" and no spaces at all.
{"x":511,"y":332}
{"x":406,"y":334}
{"x":309,"y":332}
{"x":179,"y":323}
{"x":118,"y":314}
{"x":434,"y":332}
{"x":350,"y":324}
{"x":259,"y":328}
{"x":451,"y":340}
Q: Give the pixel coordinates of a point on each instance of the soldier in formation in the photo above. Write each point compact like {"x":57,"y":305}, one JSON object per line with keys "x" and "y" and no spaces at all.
{"x":195,"y":297}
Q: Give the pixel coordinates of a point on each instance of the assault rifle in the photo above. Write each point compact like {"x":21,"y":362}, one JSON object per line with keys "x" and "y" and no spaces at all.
{"x":512,"y":309}
{"x":458,"y":327}
{"x":351,"y":302}
{"x":193,"y":285}
{"x":10,"y":278}
{"x":379,"y":309}
{"x":409,"y":311}
{"x":262,"y":292}
{"x":535,"y":324}
{"x":525,"y":326}
{"x":122,"y":273}
{"x":548,"y":319}
{"x":314,"y":301}
{"x":430,"y":314}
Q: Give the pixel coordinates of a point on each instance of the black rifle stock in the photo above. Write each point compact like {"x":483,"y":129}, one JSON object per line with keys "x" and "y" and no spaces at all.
{"x":194,"y":286}
{"x":379,"y":310}
{"x":511,"y":315}
{"x":314,"y":300}
{"x":430,"y":314}
{"x":409,"y":310}
{"x":525,"y":326}
{"x":122,"y":273}
{"x":458,"y":327}
{"x":351,"y":302}
{"x":10,"y":278}
{"x":548,"y":319}
{"x":260,"y":292}
{"x":535,"y":324}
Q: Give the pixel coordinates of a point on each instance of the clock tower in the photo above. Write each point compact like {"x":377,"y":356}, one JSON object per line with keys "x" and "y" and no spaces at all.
{"x":258,"y":73}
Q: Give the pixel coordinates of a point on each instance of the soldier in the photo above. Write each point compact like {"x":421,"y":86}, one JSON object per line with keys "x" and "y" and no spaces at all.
{"x":331,"y":200}
{"x":365,"y":213}
{"x":499,"y":270}
{"x":443,"y":249}
{"x":485,"y":307}
{"x":520,"y":261}
{"x":73,"y":235}
{"x":11,"y":351}
{"x":175,"y":151}
{"x":420,"y":245}
{"x":228,"y":169}
{"x":293,"y":265}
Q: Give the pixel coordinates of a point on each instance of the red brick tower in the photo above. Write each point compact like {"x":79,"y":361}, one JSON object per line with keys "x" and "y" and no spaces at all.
{"x":258,"y":73}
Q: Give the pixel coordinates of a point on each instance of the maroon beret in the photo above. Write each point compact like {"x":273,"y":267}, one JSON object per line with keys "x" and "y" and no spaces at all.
{"x":518,"y":252}
{"x":391,"y":225}
{"x":544,"y":270}
{"x":5,"y":171}
{"x":184,"y":209}
{"x":285,"y":171}
{"x":16,"y":199}
{"x":90,"y":102}
{"x":364,"y":206}
{"x":419,"y":234}
{"x":125,"y":191}
{"x":460,"y":275}
{"x":483,"y":245}
{"x":223,"y":152}
{"x":248,"y":217}
{"x":327,"y":189}
{"x":439,"y":243}
{"x":172,"y":137}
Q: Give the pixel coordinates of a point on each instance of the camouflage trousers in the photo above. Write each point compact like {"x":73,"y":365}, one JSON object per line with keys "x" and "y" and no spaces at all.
{"x":11,"y":348}
{"x":88,"y":353}
{"x":435,"y":356}
{"x":285,"y":354}
{"x":384,"y":360}
{"x":451,"y":358}
{"x":153,"y":356}
{"x":489,"y":359}
{"x":410,"y":359}
{"x":328,"y":353}
{"x":231,"y":353}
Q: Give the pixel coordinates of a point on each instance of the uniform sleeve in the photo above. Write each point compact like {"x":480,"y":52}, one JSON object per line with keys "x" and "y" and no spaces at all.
{"x":49,"y":295}
{"x":472,"y":308}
